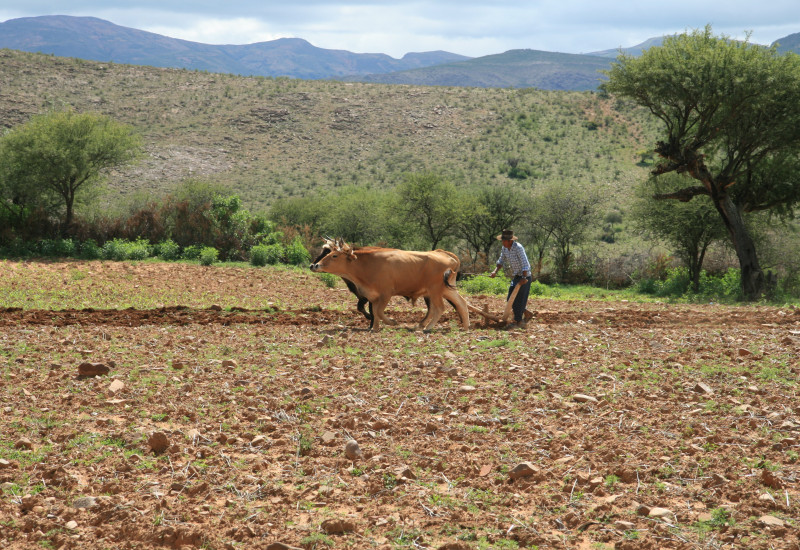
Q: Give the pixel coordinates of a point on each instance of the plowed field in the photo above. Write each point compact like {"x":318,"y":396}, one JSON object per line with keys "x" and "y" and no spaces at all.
{"x":231,"y":394}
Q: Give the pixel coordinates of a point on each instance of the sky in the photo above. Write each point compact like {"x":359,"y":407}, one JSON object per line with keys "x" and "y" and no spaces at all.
{"x":468,"y":27}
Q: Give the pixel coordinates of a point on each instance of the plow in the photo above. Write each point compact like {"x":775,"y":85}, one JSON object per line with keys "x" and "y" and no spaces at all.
{"x":506,"y":314}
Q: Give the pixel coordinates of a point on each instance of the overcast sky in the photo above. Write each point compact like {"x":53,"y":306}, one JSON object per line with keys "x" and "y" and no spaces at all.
{"x":468,"y":27}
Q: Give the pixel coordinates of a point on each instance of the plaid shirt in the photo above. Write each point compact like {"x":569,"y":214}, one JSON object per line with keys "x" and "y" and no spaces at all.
{"x":514,"y":258}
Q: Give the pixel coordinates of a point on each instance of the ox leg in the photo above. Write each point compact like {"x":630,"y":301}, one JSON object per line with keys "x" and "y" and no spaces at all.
{"x":435,"y":312}
{"x":377,"y":314}
{"x":460,"y":305}
{"x":421,"y":325}
{"x":368,"y":315}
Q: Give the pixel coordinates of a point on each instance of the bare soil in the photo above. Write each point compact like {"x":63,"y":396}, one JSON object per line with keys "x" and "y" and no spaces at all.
{"x":602,"y":424}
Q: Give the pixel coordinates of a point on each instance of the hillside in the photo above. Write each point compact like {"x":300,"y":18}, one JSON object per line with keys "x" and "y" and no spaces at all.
{"x":95,"y":39}
{"x":268,"y":138}
{"x":789,"y":43}
{"x":512,"y":69}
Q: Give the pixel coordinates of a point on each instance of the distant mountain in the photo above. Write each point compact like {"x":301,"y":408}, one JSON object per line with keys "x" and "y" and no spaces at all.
{"x":633,"y":50}
{"x":512,"y":69}
{"x":789,"y":43}
{"x":95,"y":39}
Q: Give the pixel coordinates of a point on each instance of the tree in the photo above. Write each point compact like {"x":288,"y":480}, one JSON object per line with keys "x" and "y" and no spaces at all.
{"x":61,"y":154}
{"x":689,"y":228}
{"x":487,"y":212}
{"x":429,"y":203}
{"x":355,"y":214}
{"x":566,"y":212}
{"x":731,"y":115}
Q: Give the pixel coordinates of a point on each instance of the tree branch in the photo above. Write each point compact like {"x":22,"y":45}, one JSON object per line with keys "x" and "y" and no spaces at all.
{"x":683,"y":195}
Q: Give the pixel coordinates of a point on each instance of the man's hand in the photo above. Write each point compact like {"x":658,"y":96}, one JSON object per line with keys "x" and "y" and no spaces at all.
{"x":492,"y":274}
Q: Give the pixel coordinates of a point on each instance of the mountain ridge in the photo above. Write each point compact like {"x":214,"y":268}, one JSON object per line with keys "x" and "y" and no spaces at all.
{"x":95,"y":39}
{"x":91,"y":38}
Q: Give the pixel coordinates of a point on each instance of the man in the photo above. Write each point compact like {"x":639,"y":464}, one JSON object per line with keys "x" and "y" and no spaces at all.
{"x":513,"y":256}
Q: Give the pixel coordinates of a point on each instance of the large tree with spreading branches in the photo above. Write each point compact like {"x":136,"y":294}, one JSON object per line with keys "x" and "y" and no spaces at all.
{"x":731,"y":117}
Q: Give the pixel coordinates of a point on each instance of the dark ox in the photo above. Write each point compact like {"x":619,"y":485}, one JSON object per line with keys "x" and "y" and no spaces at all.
{"x":378,"y":274}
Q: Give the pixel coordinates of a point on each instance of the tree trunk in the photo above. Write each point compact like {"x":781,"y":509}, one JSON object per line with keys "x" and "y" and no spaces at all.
{"x":753,"y":283}
{"x":69,"y":202}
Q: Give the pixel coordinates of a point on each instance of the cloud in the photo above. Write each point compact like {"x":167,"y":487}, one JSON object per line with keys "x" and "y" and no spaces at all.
{"x":469,"y":27}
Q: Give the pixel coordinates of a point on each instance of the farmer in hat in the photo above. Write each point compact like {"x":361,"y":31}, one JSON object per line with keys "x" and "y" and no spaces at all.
{"x":513,"y":256}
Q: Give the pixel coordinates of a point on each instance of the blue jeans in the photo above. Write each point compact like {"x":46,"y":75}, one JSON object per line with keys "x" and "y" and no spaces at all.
{"x":521,"y":301}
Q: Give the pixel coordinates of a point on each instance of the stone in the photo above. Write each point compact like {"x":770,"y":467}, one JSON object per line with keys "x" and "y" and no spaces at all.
{"x":523,"y":469}
{"x":404,"y":472}
{"x":258,"y":441}
{"x":702,"y":387}
{"x":581,"y":398}
{"x":281,"y":546}
{"x":766,"y":497}
{"x":326,"y":340}
{"x":467,"y":389}
{"x":771,"y":480}
{"x":661,"y":513}
{"x":716,"y":480}
{"x":23,"y":443}
{"x":28,"y":502}
{"x":328,"y":438}
{"x":229,"y":364}
{"x":306,"y":393}
{"x":159,"y":442}
{"x":84,"y":502}
{"x":337,"y":526}
{"x":92,"y":369}
{"x":197,"y":488}
{"x":116,"y":386}
{"x":71,"y":525}
{"x":352,"y":450}
{"x":771,"y":521}
{"x":5,"y":464}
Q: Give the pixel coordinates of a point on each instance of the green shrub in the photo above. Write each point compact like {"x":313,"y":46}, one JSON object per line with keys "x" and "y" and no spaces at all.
{"x":115,"y":250}
{"x":537,"y":289}
{"x":328,"y":279}
{"x":169,"y":250}
{"x":138,"y":250}
{"x":676,"y":283}
{"x":648,"y":285}
{"x":267,"y":254}
{"x":258,"y":255}
{"x":90,"y":250}
{"x":57,"y":248}
{"x":483,"y":284}
{"x":193,"y":252}
{"x":726,"y":287}
{"x":17,"y":248}
{"x":296,"y":253}
{"x":208,"y":255}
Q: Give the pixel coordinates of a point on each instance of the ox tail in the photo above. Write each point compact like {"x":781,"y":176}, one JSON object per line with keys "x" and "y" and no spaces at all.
{"x":450,"y":277}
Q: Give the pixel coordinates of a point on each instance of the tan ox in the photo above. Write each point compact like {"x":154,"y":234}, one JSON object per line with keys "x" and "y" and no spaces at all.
{"x":381,"y":273}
